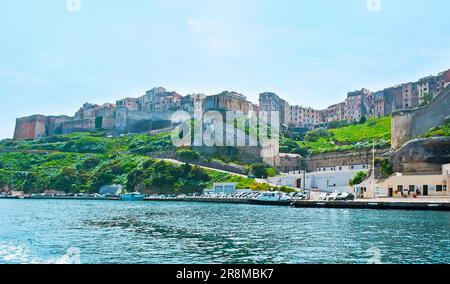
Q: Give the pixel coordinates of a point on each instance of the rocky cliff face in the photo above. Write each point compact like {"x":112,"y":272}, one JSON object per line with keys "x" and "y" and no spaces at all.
{"x":422,"y":156}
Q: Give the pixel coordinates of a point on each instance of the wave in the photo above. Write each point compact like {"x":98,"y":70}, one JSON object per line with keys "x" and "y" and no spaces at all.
{"x":22,"y":254}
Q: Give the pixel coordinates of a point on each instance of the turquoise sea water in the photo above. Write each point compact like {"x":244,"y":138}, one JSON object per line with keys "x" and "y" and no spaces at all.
{"x":51,"y":231}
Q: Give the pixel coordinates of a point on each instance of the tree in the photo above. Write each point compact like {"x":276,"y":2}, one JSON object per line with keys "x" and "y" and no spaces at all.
{"x":315,"y":135}
{"x":363,"y":120}
{"x":187,"y":155}
{"x":359,"y":178}
{"x":259,"y":171}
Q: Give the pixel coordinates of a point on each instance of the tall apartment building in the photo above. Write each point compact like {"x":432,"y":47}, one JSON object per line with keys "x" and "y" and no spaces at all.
{"x":355,"y":105}
{"x":167,"y":101}
{"x":193,"y":103}
{"x":270,"y":102}
{"x":409,"y":96}
{"x":301,"y":117}
{"x":443,"y":80}
{"x":379,"y":109}
{"x":334,"y":112}
{"x":425,"y":86}
{"x":128,"y":103}
{"x":150,"y":96}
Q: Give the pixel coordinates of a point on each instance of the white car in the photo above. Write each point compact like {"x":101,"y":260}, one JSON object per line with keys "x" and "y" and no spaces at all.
{"x":333,"y":196}
{"x":324,"y":196}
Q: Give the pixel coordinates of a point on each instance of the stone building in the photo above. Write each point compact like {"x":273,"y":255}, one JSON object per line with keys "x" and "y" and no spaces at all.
{"x":166,"y":101}
{"x":409,"y":96}
{"x":335,"y":112}
{"x":128,"y":103}
{"x":443,"y":80}
{"x":400,"y":185}
{"x":392,"y":99}
{"x":301,"y":117}
{"x":193,"y":103}
{"x":427,"y":85}
{"x":228,"y":101}
{"x":150,"y":96}
{"x":379,"y":104}
{"x":270,"y":102}
{"x":355,"y":105}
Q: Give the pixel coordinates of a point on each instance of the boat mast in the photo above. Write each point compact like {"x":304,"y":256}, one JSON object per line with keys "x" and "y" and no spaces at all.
{"x":373,"y":168}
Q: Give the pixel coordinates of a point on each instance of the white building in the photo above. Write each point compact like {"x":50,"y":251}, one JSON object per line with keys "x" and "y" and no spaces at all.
{"x":399,"y":185}
{"x":226,"y":187}
{"x":328,"y":179}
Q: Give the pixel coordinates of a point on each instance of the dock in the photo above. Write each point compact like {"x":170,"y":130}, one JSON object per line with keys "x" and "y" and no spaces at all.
{"x":222,"y":200}
{"x":374,"y":205}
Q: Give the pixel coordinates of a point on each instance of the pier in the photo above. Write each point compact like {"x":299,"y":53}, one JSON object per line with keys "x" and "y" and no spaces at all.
{"x":378,"y":204}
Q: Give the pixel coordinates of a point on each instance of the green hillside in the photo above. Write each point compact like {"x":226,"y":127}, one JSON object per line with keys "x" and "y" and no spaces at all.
{"x":440,"y":131}
{"x":352,"y":137}
{"x":83,"y":162}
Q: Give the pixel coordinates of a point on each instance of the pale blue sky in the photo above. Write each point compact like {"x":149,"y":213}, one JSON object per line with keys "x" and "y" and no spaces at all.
{"x":309,"y":52}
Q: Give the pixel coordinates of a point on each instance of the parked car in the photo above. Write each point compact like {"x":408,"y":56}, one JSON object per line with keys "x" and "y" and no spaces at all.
{"x":345,"y":196}
{"x":324,"y":196}
{"x":302,"y":195}
{"x":333,"y":196}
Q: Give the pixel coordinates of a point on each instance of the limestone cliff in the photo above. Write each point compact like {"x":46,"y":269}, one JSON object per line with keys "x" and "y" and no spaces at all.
{"x":422,"y":156}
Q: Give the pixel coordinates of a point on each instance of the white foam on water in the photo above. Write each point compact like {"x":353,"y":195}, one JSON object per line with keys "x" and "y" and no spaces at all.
{"x":20,"y":254}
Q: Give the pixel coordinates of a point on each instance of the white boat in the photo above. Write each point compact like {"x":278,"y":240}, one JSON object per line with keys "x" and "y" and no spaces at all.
{"x":272,"y":196}
{"x":134,"y":196}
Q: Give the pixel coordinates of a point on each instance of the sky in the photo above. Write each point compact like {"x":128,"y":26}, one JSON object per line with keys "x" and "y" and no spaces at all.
{"x":54,"y":57}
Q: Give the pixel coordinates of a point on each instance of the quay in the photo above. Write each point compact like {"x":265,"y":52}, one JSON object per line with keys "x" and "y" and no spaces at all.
{"x":423,"y":204}
{"x":222,"y":200}
{"x":373,"y":204}
{"x":377,"y":204}
{"x":49,"y":197}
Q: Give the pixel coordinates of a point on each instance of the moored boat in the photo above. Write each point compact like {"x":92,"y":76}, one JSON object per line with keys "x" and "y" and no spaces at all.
{"x":134,"y":196}
{"x":272,"y":198}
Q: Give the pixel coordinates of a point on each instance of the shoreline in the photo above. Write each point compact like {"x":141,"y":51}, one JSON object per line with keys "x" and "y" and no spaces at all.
{"x":372,"y":204}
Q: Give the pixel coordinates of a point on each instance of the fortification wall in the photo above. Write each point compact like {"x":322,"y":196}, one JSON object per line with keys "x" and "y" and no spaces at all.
{"x":54,"y":124}
{"x":29,"y":128}
{"x":344,"y":158}
{"x":78,"y":125}
{"x":139,"y":121}
{"x":410,"y":124}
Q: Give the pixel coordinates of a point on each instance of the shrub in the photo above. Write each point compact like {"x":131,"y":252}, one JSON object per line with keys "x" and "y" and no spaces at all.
{"x":187,"y":155}
{"x":315,"y":135}
{"x":260,"y":170}
{"x":359,"y":178}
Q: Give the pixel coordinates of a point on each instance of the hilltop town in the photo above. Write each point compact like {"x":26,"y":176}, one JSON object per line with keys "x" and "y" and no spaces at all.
{"x":414,"y":108}
{"x":152,"y":110}
{"x":408,"y":125}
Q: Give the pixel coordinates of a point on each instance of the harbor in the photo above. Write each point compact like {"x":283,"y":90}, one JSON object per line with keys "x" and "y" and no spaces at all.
{"x":420,"y":204}
{"x":100,"y":231}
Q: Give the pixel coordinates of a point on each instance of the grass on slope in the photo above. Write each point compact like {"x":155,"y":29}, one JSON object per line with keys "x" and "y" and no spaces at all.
{"x":353,"y":137}
{"x":440,"y":131}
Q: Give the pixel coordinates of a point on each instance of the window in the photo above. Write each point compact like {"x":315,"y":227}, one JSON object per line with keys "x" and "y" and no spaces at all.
{"x":439,"y":188}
